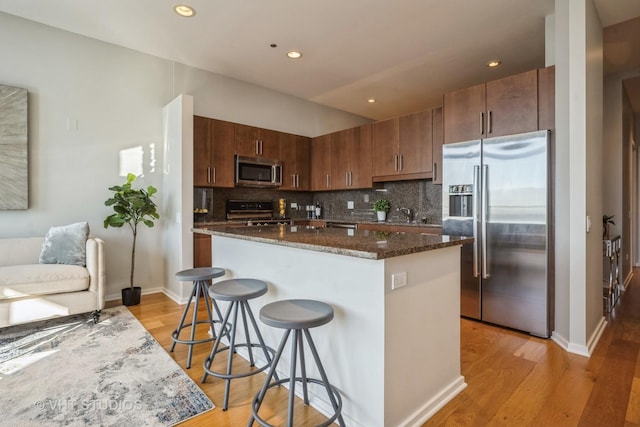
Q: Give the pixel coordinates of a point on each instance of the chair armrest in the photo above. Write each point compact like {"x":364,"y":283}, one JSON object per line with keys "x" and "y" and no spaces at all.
{"x":97,"y":269}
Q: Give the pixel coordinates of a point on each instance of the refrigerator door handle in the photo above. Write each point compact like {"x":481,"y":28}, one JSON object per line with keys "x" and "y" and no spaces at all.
{"x":485,"y":254}
{"x":476,"y":220}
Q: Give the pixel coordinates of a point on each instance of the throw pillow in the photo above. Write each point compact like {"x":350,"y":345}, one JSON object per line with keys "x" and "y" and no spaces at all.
{"x":66,"y":245}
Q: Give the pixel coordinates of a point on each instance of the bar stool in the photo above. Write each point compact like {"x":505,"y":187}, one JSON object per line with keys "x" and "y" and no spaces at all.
{"x":199,"y":276}
{"x":297,"y":316}
{"x":238,"y":292}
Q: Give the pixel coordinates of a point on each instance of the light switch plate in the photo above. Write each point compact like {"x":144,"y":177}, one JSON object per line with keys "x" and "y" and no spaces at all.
{"x":350,"y":204}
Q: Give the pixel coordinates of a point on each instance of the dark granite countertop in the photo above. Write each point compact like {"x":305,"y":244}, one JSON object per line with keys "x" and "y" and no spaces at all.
{"x":357,"y":243}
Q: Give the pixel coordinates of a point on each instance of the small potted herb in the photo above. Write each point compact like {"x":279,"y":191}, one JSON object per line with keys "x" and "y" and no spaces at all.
{"x":381,"y":207}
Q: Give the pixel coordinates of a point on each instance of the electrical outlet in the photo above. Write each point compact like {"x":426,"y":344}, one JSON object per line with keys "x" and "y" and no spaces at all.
{"x":350,"y":204}
{"x":366,"y":198}
{"x":398,"y":280}
{"x":294,"y":205}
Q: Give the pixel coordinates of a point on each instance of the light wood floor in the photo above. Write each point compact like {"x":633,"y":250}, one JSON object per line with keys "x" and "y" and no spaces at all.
{"x":513,"y":379}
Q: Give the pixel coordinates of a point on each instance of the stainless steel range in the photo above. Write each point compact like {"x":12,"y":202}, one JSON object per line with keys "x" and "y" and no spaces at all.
{"x":254,"y":212}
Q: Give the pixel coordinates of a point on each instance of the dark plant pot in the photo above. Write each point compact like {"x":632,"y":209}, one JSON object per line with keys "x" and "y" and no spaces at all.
{"x":131,"y":296}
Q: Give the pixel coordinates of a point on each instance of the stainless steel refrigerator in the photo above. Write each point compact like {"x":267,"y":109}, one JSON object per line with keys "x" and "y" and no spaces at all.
{"x":497,"y":190}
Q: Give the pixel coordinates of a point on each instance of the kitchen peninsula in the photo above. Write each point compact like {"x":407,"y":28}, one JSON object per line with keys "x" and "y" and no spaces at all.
{"x":393,"y":348}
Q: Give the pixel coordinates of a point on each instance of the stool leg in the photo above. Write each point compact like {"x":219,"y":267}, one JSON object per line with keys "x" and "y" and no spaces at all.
{"x":193,"y":324}
{"x":208,"y":361}
{"x":184,"y":315}
{"x":258,"y":399}
{"x":205,"y":291}
{"x":323,"y":374}
{"x":232,"y":343}
{"x":261,"y":341}
{"x":292,"y":376}
{"x":303,"y":371}
{"x":243,"y":310}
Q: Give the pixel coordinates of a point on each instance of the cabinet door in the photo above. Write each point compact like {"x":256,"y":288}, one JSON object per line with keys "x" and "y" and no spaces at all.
{"x":294,"y":154}
{"x":222,"y":144}
{"x":201,"y":250}
{"x":415,"y":143}
{"x":436,"y":142}
{"x":201,"y":152}
{"x":547,"y":98}
{"x":321,"y":163}
{"x":512,"y":104}
{"x":269,"y":144}
{"x":464,"y":114}
{"x":246,"y":138}
{"x":360,"y":158}
{"x":341,"y":145}
{"x":303,"y":162}
{"x":385,"y":159}
{"x":288,"y":158}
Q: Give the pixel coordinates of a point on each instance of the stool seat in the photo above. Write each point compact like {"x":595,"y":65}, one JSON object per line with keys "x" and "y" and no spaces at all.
{"x":237,"y":289}
{"x":296,"y":314}
{"x":200,"y":273}
{"x":200,"y":277}
{"x":237,"y":292}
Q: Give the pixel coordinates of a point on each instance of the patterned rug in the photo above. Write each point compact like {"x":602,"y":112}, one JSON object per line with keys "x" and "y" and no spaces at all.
{"x":72,"y":372}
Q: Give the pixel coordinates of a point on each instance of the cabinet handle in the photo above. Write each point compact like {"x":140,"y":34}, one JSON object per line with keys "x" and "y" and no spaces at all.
{"x":435,"y":171}
{"x":257,"y":151}
{"x":328,"y":181}
{"x":395,"y":162}
{"x":296,"y":180}
{"x":350,"y":178}
{"x":214,"y":175}
{"x":401,"y":165}
{"x":293,"y":180}
{"x":261,"y":147}
{"x":490,"y":122}
{"x":481,"y":123}
{"x":208,"y":175}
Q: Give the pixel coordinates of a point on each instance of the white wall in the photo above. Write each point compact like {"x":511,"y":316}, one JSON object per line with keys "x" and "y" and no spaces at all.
{"x":116,"y":97}
{"x":578,"y":49}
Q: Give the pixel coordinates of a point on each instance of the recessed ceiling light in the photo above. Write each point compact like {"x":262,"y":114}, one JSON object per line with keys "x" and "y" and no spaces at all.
{"x":493,"y":63}
{"x":184,"y":10}
{"x":294,"y":54}
{"x":371,"y":100}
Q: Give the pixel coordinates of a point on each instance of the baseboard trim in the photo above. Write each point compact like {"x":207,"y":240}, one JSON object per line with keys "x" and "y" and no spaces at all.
{"x":145,"y":291}
{"x":579,"y":349}
{"x":436,"y":403}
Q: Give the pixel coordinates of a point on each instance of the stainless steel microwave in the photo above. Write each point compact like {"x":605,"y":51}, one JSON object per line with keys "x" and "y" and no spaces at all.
{"x":258,"y":172}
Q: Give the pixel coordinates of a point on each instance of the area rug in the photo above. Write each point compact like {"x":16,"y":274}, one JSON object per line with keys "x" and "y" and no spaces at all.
{"x":72,"y":372}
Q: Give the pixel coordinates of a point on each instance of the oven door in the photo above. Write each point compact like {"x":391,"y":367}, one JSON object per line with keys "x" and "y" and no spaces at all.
{"x":252,"y":172}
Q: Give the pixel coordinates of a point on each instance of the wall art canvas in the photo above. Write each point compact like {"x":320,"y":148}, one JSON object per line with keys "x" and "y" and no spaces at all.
{"x":14,"y":155}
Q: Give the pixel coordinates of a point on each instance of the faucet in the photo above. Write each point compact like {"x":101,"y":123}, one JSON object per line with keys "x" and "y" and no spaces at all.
{"x":406,"y":212}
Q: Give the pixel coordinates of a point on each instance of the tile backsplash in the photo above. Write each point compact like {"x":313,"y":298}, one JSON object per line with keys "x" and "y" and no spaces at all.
{"x":422,"y":196}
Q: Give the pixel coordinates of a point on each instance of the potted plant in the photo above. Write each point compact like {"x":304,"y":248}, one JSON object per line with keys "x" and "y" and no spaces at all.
{"x":381,"y":207}
{"x":132,"y":206}
{"x":606,"y":221}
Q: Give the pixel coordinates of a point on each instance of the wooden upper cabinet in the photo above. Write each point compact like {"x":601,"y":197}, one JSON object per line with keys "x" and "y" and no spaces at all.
{"x":253,"y":141}
{"x":295,"y":157}
{"x":213,"y":142}
{"x":402,"y":147}
{"x":437,"y":140}
{"x":500,"y":107}
{"x":415,"y":143}
{"x":351,"y":158}
{"x":385,"y":147}
{"x":201,"y":152}
{"x":321,"y":163}
{"x":547,"y":98}
{"x":512,"y":104}
{"x":360,"y":158}
{"x":464,"y":114}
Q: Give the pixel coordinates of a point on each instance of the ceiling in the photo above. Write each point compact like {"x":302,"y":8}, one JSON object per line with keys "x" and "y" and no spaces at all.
{"x":404,"y":53}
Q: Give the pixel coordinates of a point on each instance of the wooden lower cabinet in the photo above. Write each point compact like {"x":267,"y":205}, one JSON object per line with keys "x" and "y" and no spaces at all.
{"x":201,"y":250}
